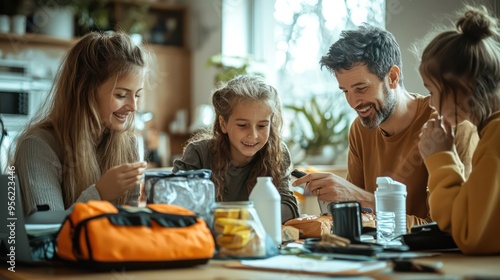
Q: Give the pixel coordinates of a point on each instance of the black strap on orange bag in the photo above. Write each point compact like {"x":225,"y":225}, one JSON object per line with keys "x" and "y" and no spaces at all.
{"x":104,"y":236}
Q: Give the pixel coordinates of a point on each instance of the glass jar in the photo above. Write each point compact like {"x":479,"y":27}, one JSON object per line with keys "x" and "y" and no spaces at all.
{"x":238,"y":230}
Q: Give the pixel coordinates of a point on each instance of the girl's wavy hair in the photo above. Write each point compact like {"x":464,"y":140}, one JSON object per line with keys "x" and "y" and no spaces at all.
{"x":269,"y":160}
{"x":467,"y":60}
{"x":72,"y":112}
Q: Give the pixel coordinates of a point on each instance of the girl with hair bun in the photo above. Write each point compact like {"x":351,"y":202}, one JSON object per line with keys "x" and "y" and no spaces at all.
{"x":461,"y":70}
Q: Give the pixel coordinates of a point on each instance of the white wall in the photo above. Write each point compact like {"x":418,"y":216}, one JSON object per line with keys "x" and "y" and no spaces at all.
{"x":410,"y":20}
{"x":205,"y":41}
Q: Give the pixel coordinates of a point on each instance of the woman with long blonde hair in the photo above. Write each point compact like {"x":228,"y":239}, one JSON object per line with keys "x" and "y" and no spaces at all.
{"x":83,"y":148}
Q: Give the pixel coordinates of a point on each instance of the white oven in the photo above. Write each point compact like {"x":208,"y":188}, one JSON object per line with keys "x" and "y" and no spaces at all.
{"x":21,"y":96}
{"x":19,"y":100}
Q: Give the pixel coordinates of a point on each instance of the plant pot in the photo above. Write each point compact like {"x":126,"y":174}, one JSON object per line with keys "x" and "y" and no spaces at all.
{"x":55,"y":21}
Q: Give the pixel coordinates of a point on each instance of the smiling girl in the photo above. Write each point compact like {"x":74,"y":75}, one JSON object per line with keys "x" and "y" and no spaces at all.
{"x":83,"y":148}
{"x":244,"y":143}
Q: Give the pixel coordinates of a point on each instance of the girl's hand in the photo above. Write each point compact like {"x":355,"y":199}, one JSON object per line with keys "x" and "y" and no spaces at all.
{"x":119,"y":179}
{"x":436,"y":136}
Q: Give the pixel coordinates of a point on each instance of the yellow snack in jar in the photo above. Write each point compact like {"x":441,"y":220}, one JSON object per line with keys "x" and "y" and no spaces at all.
{"x":226,"y":213}
{"x":227,"y":225}
{"x":244,"y":215}
{"x":235,"y":241}
{"x":241,"y":214}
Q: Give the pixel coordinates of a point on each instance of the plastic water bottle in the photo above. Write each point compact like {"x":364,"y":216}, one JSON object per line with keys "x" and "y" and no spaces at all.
{"x":390,"y":204}
{"x":267,"y":201}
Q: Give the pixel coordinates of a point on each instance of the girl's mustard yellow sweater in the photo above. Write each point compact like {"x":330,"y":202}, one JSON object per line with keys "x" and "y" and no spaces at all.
{"x":469,"y":209}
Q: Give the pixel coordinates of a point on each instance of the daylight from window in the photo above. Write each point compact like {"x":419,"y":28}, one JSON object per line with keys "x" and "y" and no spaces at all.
{"x":304,"y":31}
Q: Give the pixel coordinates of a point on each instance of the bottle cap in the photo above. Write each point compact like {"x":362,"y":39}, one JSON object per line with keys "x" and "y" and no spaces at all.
{"x":264,"y":178}
{"x":388,"y":184}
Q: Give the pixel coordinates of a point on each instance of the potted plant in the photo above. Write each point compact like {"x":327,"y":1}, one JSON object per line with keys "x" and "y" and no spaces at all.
{"x":229,"y":67}
{"x":91,"y":15}
{"x":136,"y":20}
{"x":58,"y":18}
{"x":51,"y":17}
{"x":320,"y":129}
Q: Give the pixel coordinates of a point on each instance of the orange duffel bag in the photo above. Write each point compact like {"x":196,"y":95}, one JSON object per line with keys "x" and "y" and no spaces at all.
{"x":106,"y":236}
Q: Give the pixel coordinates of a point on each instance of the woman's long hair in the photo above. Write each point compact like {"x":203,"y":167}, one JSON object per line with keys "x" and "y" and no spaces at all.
{"x":89,"y":149}
{"x":269,"y":160}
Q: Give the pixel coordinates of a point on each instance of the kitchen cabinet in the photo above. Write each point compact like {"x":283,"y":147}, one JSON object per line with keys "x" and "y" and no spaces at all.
{"x":169,"y":85}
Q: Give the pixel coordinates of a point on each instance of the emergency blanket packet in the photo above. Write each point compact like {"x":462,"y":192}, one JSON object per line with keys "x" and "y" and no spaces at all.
{"x":191,"y":189}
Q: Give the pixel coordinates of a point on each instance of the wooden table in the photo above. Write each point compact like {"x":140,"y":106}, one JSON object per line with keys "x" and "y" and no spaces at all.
{"x":454,"y":266}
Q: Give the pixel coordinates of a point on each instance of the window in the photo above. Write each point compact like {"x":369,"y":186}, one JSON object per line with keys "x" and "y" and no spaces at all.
{"x":286,"y":39}
{"x":304,"y":31}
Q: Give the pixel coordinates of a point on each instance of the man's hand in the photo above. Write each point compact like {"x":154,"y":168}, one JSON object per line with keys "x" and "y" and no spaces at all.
{"x":330,"y":187}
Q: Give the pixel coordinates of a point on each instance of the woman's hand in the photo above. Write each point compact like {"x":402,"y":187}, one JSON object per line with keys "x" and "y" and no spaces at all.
{"x":119,"y":179}
{"x":436,"y":136}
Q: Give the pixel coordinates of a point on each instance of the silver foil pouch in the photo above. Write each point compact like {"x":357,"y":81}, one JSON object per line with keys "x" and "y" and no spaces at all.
{"x":191,"y":189}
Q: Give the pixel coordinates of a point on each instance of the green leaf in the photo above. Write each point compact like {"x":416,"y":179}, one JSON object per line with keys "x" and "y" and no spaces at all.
{"x":328,"y":121}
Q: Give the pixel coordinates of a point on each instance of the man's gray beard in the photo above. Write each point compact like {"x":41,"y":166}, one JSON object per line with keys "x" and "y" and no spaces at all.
{"x":386,"y":110}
